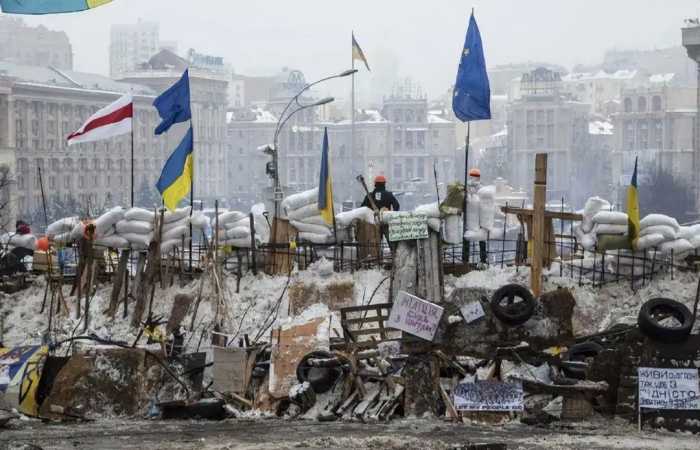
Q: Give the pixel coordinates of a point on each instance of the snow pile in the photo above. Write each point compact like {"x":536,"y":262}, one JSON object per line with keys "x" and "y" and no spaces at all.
{"x":234,"y":227}
{"x":304,"y":215}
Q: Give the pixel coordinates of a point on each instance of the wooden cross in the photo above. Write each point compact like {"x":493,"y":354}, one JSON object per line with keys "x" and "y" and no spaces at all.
{"x":539,"y":225}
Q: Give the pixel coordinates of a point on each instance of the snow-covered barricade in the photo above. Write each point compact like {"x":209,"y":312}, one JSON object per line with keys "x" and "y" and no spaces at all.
{"x":234,"y":228}
{"x":303,"y":213}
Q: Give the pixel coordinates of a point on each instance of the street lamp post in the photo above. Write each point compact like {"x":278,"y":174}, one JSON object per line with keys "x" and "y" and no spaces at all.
{"x":283,"y":118}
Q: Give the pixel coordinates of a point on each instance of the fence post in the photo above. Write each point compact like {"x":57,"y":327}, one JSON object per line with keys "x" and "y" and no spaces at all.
{"x":252,"y":243}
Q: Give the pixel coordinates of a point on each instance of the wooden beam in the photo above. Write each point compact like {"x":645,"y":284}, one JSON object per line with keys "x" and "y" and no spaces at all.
{"x":538,"y":223}
{"x":551,"y":214}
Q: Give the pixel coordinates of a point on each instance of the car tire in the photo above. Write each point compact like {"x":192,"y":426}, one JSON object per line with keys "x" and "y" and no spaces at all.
{"x":650,"y":326}
{"x":513,"y":313}
{"x":579,"y":352}
{"x":321,"y":379}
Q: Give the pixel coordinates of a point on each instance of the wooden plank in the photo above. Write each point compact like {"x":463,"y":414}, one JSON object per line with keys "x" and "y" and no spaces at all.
{"x":376,"y":306}
{"x":288,"y":348}
{"x":229,"y":370}
{"x":118,"y":282}
{"x":538,"y":227}
{"x":553,"y":214}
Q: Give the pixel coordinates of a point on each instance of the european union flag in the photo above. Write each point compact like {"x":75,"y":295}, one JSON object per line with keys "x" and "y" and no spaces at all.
{"x":173,"y":105}
{"x":472,"y":94}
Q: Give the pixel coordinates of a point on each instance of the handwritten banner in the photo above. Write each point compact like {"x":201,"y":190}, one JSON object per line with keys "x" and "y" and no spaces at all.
{"x":415,"y":316}
{"x":404,"y":227}
{"x":668,"y":388}
{"x":472,"y":311}
{"x":488,"y":396}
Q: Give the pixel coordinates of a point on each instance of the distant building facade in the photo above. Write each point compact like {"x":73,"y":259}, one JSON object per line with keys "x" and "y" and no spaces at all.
{"x":401,"y":140}
{"x":34,"y":46}
{"x":131,"y":45}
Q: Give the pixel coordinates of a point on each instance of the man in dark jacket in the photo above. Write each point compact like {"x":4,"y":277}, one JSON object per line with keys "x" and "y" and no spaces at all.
{"x":383,"y":199}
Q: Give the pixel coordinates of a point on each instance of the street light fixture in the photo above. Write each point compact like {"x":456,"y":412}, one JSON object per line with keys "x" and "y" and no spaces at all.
{"x":273,"y":150}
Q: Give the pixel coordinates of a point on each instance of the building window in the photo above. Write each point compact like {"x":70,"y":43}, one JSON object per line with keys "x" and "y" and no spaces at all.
{"x":21,"y":183}
{"x":52,"y":182}
{"x":641,"y":104}
{"x":628,"y":104}
{"x":656,"y":103}
{"x":81,"y":182}
{"x":397,"y":171}
{"x":66,"y":182}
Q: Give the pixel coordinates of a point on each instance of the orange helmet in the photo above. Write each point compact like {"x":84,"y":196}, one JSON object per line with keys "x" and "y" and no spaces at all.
{"x":474,"y":172}
{"x":380,"y":179}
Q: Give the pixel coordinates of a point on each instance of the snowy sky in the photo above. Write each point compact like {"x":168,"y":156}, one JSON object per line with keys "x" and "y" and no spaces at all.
{"x":420,"y":38}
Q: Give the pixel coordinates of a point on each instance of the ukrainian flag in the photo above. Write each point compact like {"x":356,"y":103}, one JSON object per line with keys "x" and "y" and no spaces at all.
{"x":357,"y":53}
{"x":325,"y":185}
{"x":48,"y":6}
{"x":633,"y":208}
{"x":176,"y":178}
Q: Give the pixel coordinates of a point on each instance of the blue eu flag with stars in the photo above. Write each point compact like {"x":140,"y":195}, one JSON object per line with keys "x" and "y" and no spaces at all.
{"x":472,"y":94}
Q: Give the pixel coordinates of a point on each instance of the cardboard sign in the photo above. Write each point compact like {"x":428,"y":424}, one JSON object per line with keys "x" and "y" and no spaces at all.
{"x":406,"y":227}
{"x":472,"y":311}
{"x":415,"y":316}
{"x":668,"y":388}
{"x":488,"y":396}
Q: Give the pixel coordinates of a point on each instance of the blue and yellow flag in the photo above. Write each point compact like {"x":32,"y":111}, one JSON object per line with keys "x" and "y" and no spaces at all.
{"x":633,"y":208}
{"x":176,"y":178}
{"x":325,"y":185}
{"x":173,"y":105}
{"x":48,"y":6}
{"x":357,"y":53}
{"x":472,"y":92}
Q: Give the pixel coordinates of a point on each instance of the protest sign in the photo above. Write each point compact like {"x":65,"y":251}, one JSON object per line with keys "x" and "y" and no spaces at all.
{"x":472,"y":311}
{"x":488,"y":396}
{"x":403,"y":227}
{"x":415,"y":316}
{"x":668,"y":388}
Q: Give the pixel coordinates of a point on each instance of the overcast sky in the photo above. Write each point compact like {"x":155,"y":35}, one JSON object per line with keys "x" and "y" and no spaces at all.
{"x":417,"y":38}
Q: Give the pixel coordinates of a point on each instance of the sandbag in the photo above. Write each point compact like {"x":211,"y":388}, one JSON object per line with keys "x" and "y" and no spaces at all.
{"x":63,"y":238}
{"x":487,"y":212}
{"x":178,"y":214}
{"x":175,"y":233}
{"x":695,"y":241}
{"x":64,"y":225}
{"x":182,"y":222}
{"x":476,"y":235}
{"x":77,"y":231}
{"x":688,"y":232}
{"x":114,"y":241}
{"x":611,"y":218}
{"x":238,"y":243}
{"x":141,"y":214}
{"x":666,"y":231}
{"x":487,"y":192}
{"x":452,"y":231}
{"x":199,"y":221}
{"x":678,"y":247}
{"x":108,"y":219}
{"x":659,"y":219}
{"x":310,"y":228}
{"x":345,"y":219}
{"x":588,"y":241}
{"x":27,"y":241}
{"x":230,"y":217}
{"x":237,"y":233}
{"x":300,"y":200}
{"x":303,"y":212}
{"x":138,"y":240}
{"x":649,"y":241}
{"x":167,"y":246}
{"x":473,"y":204}
{"x":134,"y":226}
{"x":430,"y":210}
{"x":316,"y":238}
{"x":606,"y":228}
{"x":591,"y":208}
{"x":434,"y":224}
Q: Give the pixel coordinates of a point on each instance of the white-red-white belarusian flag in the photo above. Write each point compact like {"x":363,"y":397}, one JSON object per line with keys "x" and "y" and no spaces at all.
{"x":112,"y":120}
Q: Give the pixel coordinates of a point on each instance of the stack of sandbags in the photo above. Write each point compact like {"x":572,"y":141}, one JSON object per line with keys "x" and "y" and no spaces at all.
{"x":673,"y":241}
{"x":610,"y":222}
{"x":481,"y":215}
{"x":593,"y":206}
{"x":691,"y":234}
{"x":234,"y":229}
{"x":432,"y":211}
{"x":302,"y":211}
{"x":60,"y":230}
{"x":137,"y":227}
{"x":346,"y":218}
{"x":175,"y":229}
{"x":27,"y":241}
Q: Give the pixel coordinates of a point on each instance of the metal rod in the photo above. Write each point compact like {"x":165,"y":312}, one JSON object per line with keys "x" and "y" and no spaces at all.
{"x":43,"y":197}
{"x":465,"y":249}
{"x":132,"y":161}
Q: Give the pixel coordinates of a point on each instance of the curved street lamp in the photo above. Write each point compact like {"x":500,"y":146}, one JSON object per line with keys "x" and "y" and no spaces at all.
{"x":284,"y":118}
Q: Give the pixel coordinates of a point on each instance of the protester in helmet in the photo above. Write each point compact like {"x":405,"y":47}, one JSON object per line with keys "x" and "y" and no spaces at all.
{"x":383,"y":199}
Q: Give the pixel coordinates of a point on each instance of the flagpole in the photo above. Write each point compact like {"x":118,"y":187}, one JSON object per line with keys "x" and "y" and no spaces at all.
{"x":465,"y":245}
{"x":132,"y":159}
{"x":352,"y":108}
{"x":191,"y":178}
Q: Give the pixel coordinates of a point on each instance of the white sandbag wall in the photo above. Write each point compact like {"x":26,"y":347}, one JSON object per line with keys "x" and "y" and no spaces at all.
{"x":234,"y":228}
{"x":302,"y":211}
